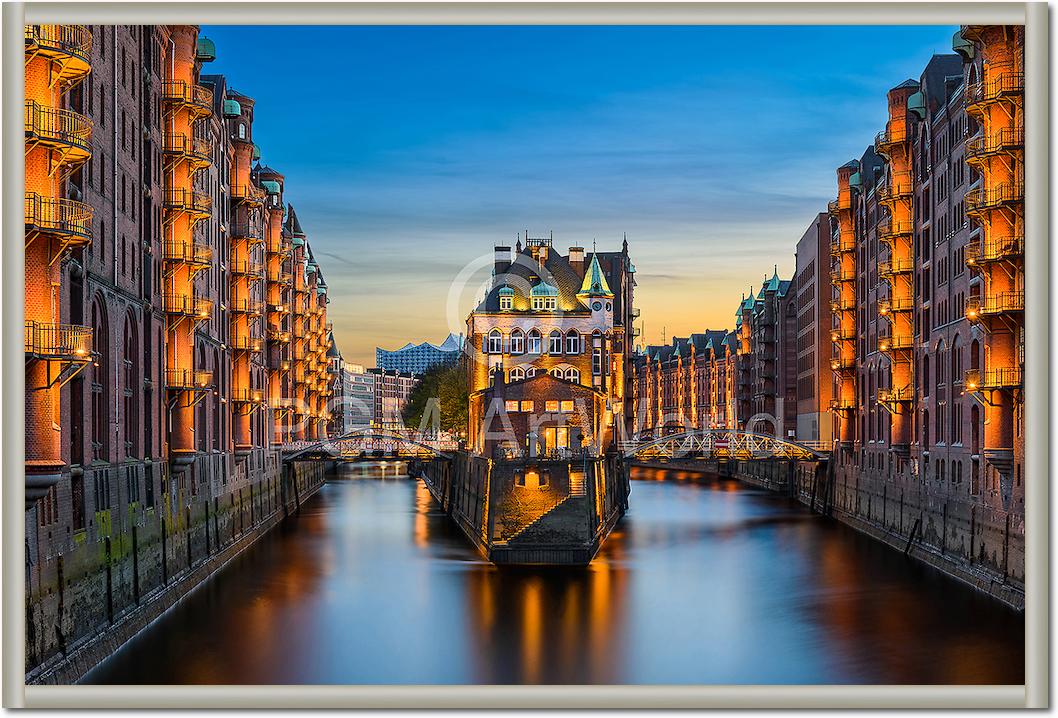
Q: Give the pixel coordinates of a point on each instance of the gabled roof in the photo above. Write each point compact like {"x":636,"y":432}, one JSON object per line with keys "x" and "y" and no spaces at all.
{"x":594,"y":284}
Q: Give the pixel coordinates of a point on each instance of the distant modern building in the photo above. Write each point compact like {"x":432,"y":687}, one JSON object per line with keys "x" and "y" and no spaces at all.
{"x":813,"y":294}
{"x":391,"y":392}
{"x":358,"y":390}
{"x":419,"y":358}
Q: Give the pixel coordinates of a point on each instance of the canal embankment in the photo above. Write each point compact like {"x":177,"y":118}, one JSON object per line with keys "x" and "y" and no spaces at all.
{"x":120,"y":576}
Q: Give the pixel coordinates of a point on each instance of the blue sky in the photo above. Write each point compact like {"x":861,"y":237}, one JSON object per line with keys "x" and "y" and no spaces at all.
{"x":410,"y":151}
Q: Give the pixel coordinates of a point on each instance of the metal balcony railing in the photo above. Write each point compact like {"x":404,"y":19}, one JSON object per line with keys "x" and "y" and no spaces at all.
{"x":282,"y":247}
{"x":903,"y":395}
{"x":243,"y":395}
{"x":1000,"y":378}
{"x":74,"y":41}
{"x":843,"y":305}
{"x":186,"y":200}
{"x":187,"y":305}
{"x":888,"y":229}
{"x":832,"y":207}
{"x":900,"y":184}
{"x":70,"y":342}
{"x":242,"y":342}
{"x":995,"y":304}
{"x":994,"y":249}
{"x":195,"y":148}
{"x":279,"y":308}
{"x":66,"y":218}
{"x":184,"y":94}
{"x":1006,"y":85}
{"x":246,"y":193}
{"x":895,"y":266}
{"x":188,"y":253}
{"x":893,"y":134}
{"x":892,"y":306}
{"x":246,"y":306}
{"x":840,"y":245}
{"x":246,"y":267}
{"x":245,"y":230}
{"x":279,"y":335}
{"x":840,"y":404}
{"x":895,"y":342}
{"x":1007,"y":139}
{"x":188,"y":379}
{"x":837,"y":276}
{"x":842,"y":335}
{"x":281,"y":277}
{"x":68,"y":130}
{"x":842,"y":363}
{"x":980,"y":199}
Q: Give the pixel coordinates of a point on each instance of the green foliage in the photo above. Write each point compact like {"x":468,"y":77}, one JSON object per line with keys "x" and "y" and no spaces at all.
{"x":448,"y":386}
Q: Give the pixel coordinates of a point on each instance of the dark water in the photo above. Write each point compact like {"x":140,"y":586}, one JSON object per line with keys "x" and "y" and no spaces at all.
{"x":703,"y":582}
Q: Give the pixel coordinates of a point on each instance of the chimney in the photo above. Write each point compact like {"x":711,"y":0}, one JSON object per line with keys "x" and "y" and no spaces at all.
{"x":576,"y":259}
{"x":503,"y":260}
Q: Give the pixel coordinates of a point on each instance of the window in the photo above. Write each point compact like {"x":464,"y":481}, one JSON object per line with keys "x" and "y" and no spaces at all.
{"x":527,"y":406}
{"x":495,"y":344}
{"x":530,"y":372}
{"x":511,"y":406}
{"x":506,"y":302}
{"x":242,"y":131}
{"x":557,"y":372}
{"x":545,"y":304}
{"x":596,"y":361}
{"x":573,"y":342}
{"x":517,"y":342}
{"x":573,"y":375}
{"x":534,"y":341}
{"x":551,"y":406}
{"x":566,"y":406}
{"x":517,"y":374}
{"x":554,"y":344}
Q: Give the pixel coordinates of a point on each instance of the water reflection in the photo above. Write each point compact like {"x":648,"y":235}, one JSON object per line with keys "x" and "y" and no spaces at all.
{"x":704,"y":581}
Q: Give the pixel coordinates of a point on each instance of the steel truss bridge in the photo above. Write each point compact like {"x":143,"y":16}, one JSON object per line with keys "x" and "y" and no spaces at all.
{"x":368,"y":445}
{"x":720,"y":444}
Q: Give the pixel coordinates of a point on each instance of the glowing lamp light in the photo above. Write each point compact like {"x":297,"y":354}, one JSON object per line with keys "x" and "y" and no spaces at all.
{"x":79,"y":352}
{"x":884,"y":346}
{"x":971,"y":314}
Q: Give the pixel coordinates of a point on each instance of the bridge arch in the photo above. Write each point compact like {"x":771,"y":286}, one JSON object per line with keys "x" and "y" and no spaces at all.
{"x":406,"y":446}
{"x":720,"y":443}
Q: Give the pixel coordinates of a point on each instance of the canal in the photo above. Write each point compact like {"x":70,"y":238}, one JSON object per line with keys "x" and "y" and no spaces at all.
{"x":703,"y":581}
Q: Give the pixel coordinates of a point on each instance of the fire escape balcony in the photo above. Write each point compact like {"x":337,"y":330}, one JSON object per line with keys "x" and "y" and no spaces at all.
{"x":246,"y":268}
{"x":68,"y":220}
{"x":186,"y":305}
{"x":892,"y":135}
{"x":282,"y":247}
{"x":900,"y":185}
{"x":889,"y":230}
{"x":246,"y":230}
{"x":278,"y":364}
{"x":244,"y":395}
{"x":188,"y":253}
{"x":845,"y":304}
{"x":279,"y":308}
{"x":894,"y":267}
{"x":281,"y":277}
{"x":280,"y":336}
{"x":196,"y":99}
{"x":832,"y":208}
{"x":67,"y":132}
{"x":994,"y":249}
{"x":1007,"y":86}
{"x":840,"y":276}
{"x":246,"y":306}
{"x":895,"y":399}
{"x":888,"y":343}
{"x":981,"y":199}
{"x":248,"y":194}
{"x":195,"y":150}
{"x":887,"y":307}
{"x":992,"y":379}
{"x":58,"y":342}
{"x":842,"y":363}
{"x":842,"y":335}
{"x":840,"y":245}
{"x":1007,"y":139}
{"x":69,"y":47}
{"x":196,"y":203}
{"x":188,"y":379}
{"x":995,"y":305}
{"x":242,"y":342}
{"x":842,"y":405}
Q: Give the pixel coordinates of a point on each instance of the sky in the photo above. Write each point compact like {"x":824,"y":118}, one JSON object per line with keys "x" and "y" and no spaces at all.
{"x":409,"y":152}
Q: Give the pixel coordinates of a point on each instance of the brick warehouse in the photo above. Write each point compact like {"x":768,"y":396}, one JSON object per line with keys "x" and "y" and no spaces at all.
{"x":928,"y":316}
{"x":176,"y":333}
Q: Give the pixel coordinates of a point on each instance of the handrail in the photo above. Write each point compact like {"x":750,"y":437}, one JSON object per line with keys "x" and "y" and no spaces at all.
{"x":993,"y":249}
{"x":184,"y":93}
{"x":179,"y":143}
{"x":194,"y":379}
{"x":998,"y":303}
{"x":981,"y":198}
{"x":58,"y":340}
{"x":190,"y":252}
{"x":187,"y":199}
{"x":58,"y":125}
{"x":75,"y":40}
{"x":65,"y":217}
{"x":992,"y":378}
{"x":1007,"y":83}
{"x":187,"y":305}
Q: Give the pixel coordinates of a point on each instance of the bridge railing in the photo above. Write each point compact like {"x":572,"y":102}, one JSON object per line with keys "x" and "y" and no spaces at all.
{"x":724,"y":443}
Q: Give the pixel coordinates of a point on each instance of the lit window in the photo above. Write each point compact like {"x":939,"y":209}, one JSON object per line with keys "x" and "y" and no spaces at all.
{"x":517,"y":374}
{"x":534,"y":342}
{"x":566,"y":406}
{"x":557,"y":373}
{"x":506,"y":303}
{"x":495,"y":342}
{"x":517,"y":342}
{"x":511,"y":406}
{"x":551,"y":407}
{"x":596,"y":361}
{"x":527,"y":406}
{"x":573,"y":342}
{"x":530,"y":372}
{"x":573,"y":375}
{"x":554,"y":342}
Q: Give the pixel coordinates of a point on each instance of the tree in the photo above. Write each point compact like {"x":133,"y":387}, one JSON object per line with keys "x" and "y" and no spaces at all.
{"x":447,"y":385}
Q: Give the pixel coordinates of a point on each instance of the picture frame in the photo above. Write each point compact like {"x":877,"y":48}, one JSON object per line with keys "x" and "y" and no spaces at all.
{"x":1035,"y":693}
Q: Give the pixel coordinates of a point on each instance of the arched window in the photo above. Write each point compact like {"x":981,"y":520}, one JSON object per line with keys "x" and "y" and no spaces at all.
{"x":975,"y":429}
{"x":554,"y":342}
{"x":925,"y":375}
{"x":534,"y":342}
{"x":530,"y":372}
{"x":495,"y":345}
{"x":132,"y":388}
{"x":216,"y":399}
{"x":201,"y":420}
{"x":517,"y":342}
{"x":573,"y":375}
{"x":557,"y":373}
{"x":100,"y":372}
{"x":517,"y":374}
{"x":975,"y":354}
{"x":572,"y":342}
{"x":956,"y":360}
{"x":925,"y":430}
{"x":242,"y":131}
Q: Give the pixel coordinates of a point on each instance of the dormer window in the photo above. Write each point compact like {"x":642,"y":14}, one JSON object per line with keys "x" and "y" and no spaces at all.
{"x":506,"y":298}
{"x":544,"y":297}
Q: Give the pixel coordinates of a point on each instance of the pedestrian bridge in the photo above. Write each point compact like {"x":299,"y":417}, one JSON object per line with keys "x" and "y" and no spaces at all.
{"x":720,"y":444}
{"x":368,"y":445}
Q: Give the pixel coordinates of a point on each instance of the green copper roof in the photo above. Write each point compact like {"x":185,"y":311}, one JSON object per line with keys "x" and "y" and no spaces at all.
{"x":855,"y":180}
{"x":271,"y":186}
{"x":206,"y":51}
{"x":256,"y":152}
{"x":962,"y":46}
{"x":594,"y":284}
{"x":232,"y":109}
{"x":917,"y":104}
{"x":321,"y":289}
{"x":506,"y":291}
{"x":543,"y":290}
{"x":298,"y":241}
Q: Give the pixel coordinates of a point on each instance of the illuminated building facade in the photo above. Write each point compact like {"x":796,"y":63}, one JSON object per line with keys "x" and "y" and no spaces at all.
{"x":812,"y":287}
{"x":564,"y":316}
{"x":155,"y":394}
